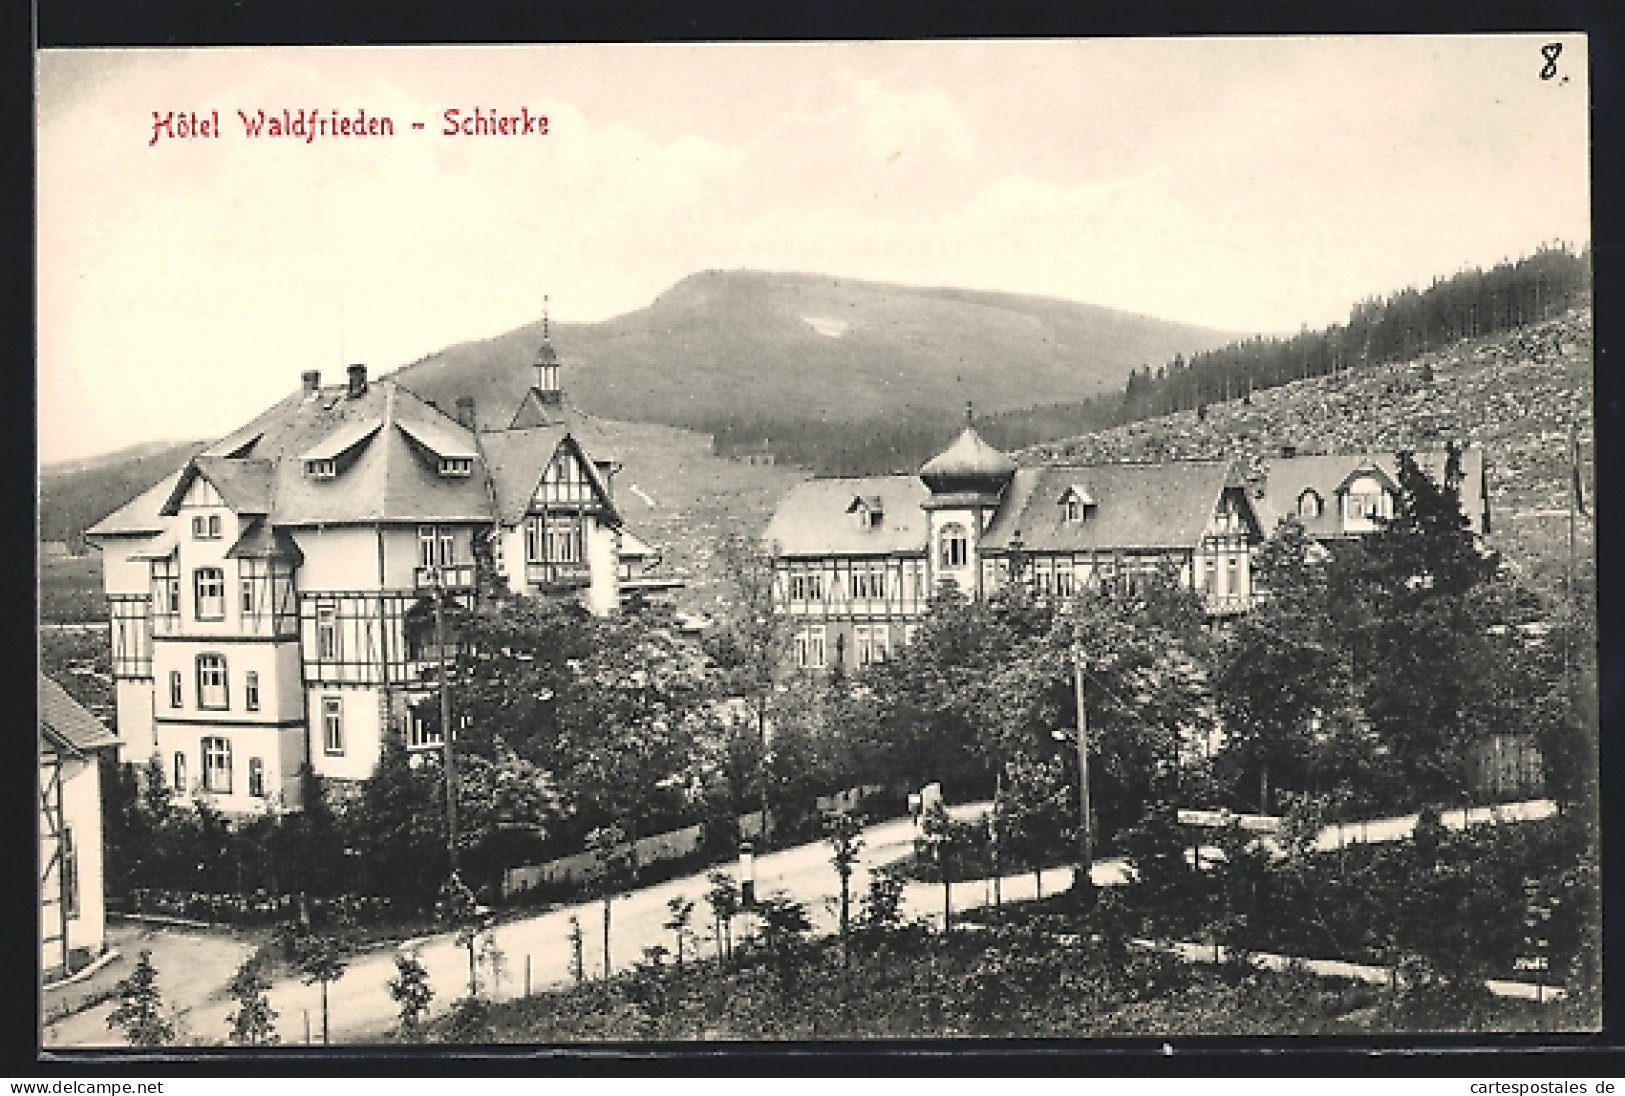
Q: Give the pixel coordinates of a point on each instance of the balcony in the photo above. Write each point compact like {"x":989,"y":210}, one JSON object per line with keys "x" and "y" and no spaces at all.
{"x":558,"y":576}
{"x":458,"y":576}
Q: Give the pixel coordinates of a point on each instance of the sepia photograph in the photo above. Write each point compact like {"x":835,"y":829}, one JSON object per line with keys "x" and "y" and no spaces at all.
{"x":765,"y":543}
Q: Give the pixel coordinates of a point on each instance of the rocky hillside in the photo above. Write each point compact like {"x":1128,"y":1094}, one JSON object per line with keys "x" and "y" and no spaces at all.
{"x":1515,"y":394}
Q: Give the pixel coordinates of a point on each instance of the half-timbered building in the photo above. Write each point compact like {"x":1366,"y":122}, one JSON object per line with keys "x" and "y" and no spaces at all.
{"x":1346,"y":496}
{"x":72,"y":916}
{"x":856,"y":559}
{"x":262,"y":597}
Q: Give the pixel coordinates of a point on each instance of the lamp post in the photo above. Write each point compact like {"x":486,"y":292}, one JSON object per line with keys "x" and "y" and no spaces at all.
{"x":1083,"y":881}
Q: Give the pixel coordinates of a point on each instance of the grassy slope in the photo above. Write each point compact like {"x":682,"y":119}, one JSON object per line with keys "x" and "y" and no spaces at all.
{"x":1514,"y":394}
{"x":739,"y":342}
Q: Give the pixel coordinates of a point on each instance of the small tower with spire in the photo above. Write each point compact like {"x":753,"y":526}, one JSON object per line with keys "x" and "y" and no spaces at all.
{"x":967,"y":480}
{"x":543,"y":401}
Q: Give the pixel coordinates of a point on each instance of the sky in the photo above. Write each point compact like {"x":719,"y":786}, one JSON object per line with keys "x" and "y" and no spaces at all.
{"x":1252,"y":185}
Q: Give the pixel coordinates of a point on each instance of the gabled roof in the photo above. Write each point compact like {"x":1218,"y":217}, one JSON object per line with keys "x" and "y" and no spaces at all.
{"x":1079,"y":492}
{"x":873,"y":503}
{"x":809,"y":520}
{"x":1137,"y":506}
{"x":1367,"y":469}
{"x":65,"y":725}
{"x":517,"y":459}
{"x":262,"y":541}
{"x":533,"y":411}
{"x":139,"y":516}
{"x":244,"y":485}
{"x":1327,"y":474}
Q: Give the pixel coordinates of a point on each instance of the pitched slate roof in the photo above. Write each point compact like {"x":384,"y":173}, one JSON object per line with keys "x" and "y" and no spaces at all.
{"x":262,"y":541}
{"x":139,"y":516}
{"x":814,"y":520}
{"x":244,"y":484}
{"x":64,"y":724}
{"x":1137,"y":506}
{"x":1289,"y":477}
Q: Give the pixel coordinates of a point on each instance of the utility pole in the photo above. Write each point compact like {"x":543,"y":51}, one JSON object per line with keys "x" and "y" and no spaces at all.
{"x":450,"y":758}
{"x":1084,"y":881}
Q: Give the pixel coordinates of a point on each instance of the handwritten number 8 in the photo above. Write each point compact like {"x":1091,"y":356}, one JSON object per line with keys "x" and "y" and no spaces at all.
{"x":1550,"y":51}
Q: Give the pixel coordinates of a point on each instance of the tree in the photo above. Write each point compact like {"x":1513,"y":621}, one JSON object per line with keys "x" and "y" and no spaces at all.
{"x":612,"y":859}
{"x":681,"y":915}
{"x":1417,"y":632}
{"x":318,"y":961}
{"x":254,"y":1022}
{"x":785,"y":926}
{"x":723,"y":898}
{"x":845,"y":843}
{"x":1036,"y":813}
{"x":411,"y":992}
{"x":1282,"y":666}
{"x":140,"y":1008}
{"x":457,"y":907}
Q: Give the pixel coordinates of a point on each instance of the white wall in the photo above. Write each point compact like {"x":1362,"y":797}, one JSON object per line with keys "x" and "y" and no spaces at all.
{"x":363,"y":728}
{"x":338,"y":558}
{"x":604,"y":558}
{"x":134,"y":706}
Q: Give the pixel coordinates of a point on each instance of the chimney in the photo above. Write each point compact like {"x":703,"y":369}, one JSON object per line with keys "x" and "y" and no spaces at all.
{"x":358,"y":381}
{"x":1288,"y":452}
{"x":312,"y":379}
{"x":465,"y":411}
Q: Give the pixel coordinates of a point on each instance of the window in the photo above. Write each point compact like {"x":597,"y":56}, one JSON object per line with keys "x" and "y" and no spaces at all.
{"x":909,"y":632}
{"x":256,"y":778}
{"x":1309,"y":505}
{"x":211,"y":682}
{"x":249,"y":590}
{"x":209,"y":583}
{"x":955,"y":546}
{"x":809,"y":647}
{"x":1074,"y":508}
{"x":251,"y":690}
{"x":807,"y":587}
{"x":880,"y":636}
{"x":868,"y":583}
{"x":1363,"y":506}
{"x":423,"y":733}
{"x":1063,"y":583}
{"x":198,"y":527}
{"x":332,"y":726}
{"x":166,"y":588}
{"x":563,"y":541}
{"x":217,"y":766}
{"x":1210,"y":576}
{"x":327,"y":633}
{"x":437,"y":546}
{"x":321,"y":469}
{"x":456,"y":466}
{"x":180,"y":771}
{"x":70,"y":873}
{"x":174,"y":688}
{"x":214,"y":526}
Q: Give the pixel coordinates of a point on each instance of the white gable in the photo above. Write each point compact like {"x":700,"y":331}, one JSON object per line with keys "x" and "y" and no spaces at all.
{"x":202,"y":493}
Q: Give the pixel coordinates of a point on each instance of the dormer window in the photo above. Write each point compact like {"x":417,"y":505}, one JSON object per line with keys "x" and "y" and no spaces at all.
{"x":867,"y":510}
{"x":1076,"y":503}
{"x":1309,"y":505}
{"x":456,"y":466}
{"x":321,"y":469}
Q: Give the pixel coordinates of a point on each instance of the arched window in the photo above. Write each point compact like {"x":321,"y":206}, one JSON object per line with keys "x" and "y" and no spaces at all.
{"x":955,"y":545}
{"x":1309,"y":505}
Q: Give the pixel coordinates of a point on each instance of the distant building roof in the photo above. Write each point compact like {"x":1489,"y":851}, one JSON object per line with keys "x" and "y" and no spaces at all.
{"x":65,"y":725}
{"x":1327,"y":475}
{"x":1135,"y":506}
{"x":812,"y":521}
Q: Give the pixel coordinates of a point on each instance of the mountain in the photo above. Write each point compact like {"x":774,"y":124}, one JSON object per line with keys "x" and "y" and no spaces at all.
{"x":728,"y":345}
{"x":1515,"y":394}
